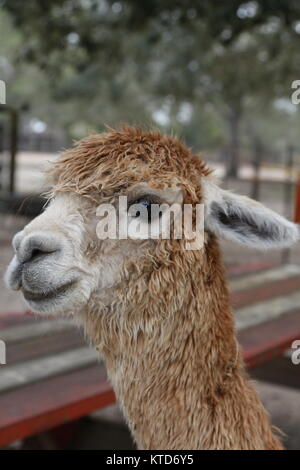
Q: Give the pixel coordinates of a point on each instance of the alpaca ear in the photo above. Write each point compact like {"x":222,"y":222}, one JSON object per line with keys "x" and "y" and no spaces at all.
{"x":243,"y":220}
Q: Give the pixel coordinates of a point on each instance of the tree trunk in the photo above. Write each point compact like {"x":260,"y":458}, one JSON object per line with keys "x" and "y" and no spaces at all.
{"x":234,"y":144}
{"x":256,"y":163}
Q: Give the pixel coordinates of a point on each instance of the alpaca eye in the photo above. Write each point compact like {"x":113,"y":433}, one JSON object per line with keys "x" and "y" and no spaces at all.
{"x":144,"y":202}
{"x":147,"y":203}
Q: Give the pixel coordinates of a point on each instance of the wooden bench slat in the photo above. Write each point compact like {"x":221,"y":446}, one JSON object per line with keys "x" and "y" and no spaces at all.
{"x":269,"y":340}
{"x":268,"y":310}
{"x":35,"y":329}
{"x":237,"y":270}
{"x":257,"y":279}
{"x":48,"y":404}
{"x":44,"y":346}
{"x":36,"y":370}
{"x":14,"y":319}
{"x":265,"y":292}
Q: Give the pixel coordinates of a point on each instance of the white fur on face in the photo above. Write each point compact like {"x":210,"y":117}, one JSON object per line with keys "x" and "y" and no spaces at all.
{"x":76,"y":259}
{"x":243,"y":220}
{"x":82,"y":261}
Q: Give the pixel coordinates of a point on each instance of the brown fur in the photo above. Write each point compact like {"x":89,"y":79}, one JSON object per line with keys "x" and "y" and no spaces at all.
{"x":167,"y":337}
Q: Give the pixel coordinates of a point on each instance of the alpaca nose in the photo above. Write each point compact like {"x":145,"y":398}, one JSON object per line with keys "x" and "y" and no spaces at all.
{"x":35,"y":245}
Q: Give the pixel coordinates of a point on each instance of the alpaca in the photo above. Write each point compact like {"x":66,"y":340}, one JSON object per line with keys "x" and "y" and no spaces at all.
{"x":158,"y":314}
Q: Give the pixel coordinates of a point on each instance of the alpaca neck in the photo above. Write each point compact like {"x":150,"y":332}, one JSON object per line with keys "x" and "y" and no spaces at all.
{"x":181,"y":383}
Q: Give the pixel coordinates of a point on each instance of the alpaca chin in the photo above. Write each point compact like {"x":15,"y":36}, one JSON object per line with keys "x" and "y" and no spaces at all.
{"x":54,"y":302}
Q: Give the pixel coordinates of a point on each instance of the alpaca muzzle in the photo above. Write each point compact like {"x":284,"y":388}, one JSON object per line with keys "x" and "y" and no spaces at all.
{"x":35,"y":268}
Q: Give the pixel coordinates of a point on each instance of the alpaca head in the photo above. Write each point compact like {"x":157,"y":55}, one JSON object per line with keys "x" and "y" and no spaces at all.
{"x":61,"y":265}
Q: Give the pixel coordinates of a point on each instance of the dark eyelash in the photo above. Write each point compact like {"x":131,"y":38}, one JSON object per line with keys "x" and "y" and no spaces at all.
{"x":152,"y":199}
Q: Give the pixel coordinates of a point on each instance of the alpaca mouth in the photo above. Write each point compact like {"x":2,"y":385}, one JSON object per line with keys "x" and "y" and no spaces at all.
{"x":42,"y":296}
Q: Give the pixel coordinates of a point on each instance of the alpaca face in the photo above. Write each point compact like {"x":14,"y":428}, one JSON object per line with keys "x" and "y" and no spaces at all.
{"x":46,"y":266}
{"x":59,"y":261}
{"x":61,"y":264}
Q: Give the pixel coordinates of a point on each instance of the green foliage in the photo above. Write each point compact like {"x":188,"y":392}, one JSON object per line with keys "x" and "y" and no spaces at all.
{"x":186,"y":66}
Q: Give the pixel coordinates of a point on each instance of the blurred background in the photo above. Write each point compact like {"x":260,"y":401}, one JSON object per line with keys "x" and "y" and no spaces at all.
{"x":217,"y":74}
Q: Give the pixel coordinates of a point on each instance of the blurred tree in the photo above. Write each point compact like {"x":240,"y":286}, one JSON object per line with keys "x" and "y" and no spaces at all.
{"x":188,"y":66}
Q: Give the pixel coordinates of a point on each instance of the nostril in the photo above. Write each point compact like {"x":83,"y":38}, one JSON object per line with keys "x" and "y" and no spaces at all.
{"x":36,"y":246}
{"x":38,"y":250}
{"x":36,"y":253}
